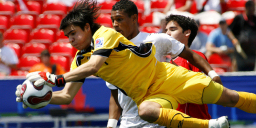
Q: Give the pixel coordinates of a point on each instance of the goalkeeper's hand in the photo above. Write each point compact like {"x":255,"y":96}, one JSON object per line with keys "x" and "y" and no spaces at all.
{"x":42,"y":78}
{"x":19,"y":92}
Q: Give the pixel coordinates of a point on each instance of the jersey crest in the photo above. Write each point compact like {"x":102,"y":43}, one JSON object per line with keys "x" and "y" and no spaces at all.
{"x":99,"y":42}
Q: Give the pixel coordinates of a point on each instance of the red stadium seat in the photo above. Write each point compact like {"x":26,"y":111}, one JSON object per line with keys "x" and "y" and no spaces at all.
{"x":34,"y":49}
{"x":62,"y":48}
{"x":147,"y":19}
{"x":19,"y":73}
{"x":48,"y":19}
{"x":106,"y":6}
{"x":7,"y":6}
{"x":58,"y":6}
{"x":33,"y":6}
{"x":140,"y":6}
{"x":32,"y":13}
{"x":16,"y":34}
{"x":220,"y":61}
{"x":16,"y":47}
{"x":104,"y":19}
{"x":4,"y":23}
{"x":26,"y":62}
{"x":58,"y":13}
{"x":150,"y":29}
{"x":207,"y":28}
{"x":158,"y":5}
{"x":236,"y":5}
{"x":60,"y":37}
{"x":24,"y":20}
{"x":61,"y":60}
{"x":45,"y":36}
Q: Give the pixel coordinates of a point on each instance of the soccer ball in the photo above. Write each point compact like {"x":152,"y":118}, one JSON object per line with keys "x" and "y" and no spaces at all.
{"x":35,"y":97}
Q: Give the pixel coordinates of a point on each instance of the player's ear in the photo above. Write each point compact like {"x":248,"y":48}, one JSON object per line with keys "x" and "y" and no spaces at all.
{"x":187,"y":32}
{"x":134,"y":18}
{"x":87,"y":27}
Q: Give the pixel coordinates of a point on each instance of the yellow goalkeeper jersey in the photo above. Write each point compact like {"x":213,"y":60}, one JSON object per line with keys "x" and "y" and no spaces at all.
{"x":132,"y":69}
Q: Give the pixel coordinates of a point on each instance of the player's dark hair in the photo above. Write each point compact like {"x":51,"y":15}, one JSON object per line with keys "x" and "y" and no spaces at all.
{"x":126,"y":6}
{"x":84,"y":11}
{"x":185,"y":23}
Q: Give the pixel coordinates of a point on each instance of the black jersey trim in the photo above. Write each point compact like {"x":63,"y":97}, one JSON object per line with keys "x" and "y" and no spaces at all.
{"x":103,"y":52}
{"x":144,"y":50}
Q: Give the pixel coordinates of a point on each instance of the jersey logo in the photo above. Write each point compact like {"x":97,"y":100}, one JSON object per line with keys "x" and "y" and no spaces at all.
{"x":99,"y":42}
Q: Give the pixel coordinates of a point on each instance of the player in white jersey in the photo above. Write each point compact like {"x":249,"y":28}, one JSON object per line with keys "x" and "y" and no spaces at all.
{"x":123,"y":20}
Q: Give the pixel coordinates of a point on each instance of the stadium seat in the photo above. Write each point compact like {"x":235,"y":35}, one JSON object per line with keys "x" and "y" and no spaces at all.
{"x":49,"y":21}
{"x":236,"y":5}
{"x":147,"y":19}
{"x":57,"y":6}
{"x":58,"y":13}
{"x":16,"y":34}
{"x":32,"y":13}
{"x":150,"y":29}
{"x":193,"y":9}
{"x":158,"y":5}
{"x":34,"y":49}
{"x":7,"y":6}
{"x":220,"y":62}
{"x":104,"y":19}
{"x":62,"y":48}
{"x":26,"y":62}
{"x":19,"y":73}
{"x":207,"y":28}
{"x":106,"y":6}
{"x":4,"y":23}
{"x":32,"y":6}
{"x":45,"y":36}
{"x":60,"y":37}
{"x":16,"y":47}
{"x":24,"y":20}
{"x":140,"y":6}
{"x":61,"y":60}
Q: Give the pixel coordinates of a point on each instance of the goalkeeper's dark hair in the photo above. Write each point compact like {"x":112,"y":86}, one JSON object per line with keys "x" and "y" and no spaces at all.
{"x":185,"y":23}
{"x":127,"y":6}
{"x":84,"y":11}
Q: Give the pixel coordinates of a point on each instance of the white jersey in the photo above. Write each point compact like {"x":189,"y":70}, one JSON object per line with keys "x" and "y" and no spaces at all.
{"x":165,"y":45}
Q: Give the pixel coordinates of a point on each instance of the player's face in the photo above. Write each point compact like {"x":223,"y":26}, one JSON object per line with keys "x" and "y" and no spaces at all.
{"x":123,"y":23}
{"x":174,"y":30}
{"x":78,"y":38}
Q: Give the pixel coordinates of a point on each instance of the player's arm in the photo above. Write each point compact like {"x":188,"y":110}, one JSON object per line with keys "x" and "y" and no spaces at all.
{"x":237,"y":45}
{"x":114,"y":109}
{"x":67,"y":94}
{"x":86,"y":69}
{"x":199,"y":62}
{"x":168,"y":6}
{"x":186,"y":7}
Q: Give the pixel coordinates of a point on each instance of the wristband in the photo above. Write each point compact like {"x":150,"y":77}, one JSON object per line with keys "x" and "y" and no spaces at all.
{"x":112,"y":123}
{"x":60,"y":81}
{"x":212,"y":74}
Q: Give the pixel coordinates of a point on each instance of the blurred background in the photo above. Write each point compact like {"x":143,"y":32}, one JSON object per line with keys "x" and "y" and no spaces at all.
{"x":30,"y":40}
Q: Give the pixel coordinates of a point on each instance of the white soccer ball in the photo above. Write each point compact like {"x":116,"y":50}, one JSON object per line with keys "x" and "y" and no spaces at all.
{"x":35,"y":97}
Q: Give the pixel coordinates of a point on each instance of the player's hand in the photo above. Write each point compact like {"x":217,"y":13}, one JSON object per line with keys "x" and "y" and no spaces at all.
{"x":18,"y":93}
{"x":42,"y":78}
{"x":217,"y":79}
